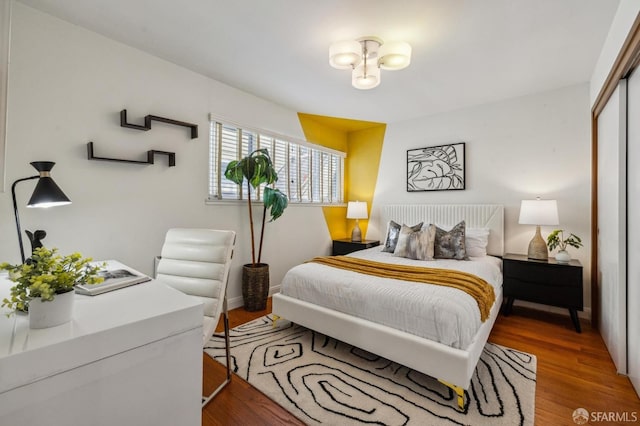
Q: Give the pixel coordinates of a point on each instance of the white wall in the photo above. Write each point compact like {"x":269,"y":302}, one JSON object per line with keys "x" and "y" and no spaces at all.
{"x":67,"y":87}
{"x":622,"y":22}
{"x":538,"y":145}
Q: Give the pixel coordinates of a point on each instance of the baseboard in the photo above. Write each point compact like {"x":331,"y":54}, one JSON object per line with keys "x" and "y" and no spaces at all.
{"x":584,"y":314}
{"x":237,"y":302}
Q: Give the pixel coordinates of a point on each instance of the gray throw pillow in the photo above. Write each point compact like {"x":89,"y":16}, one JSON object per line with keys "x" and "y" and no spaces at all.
{"x":420,"y":244}
{"x":450,"y":244}
{"x":402,"y":245}
{"x":393,"y":232}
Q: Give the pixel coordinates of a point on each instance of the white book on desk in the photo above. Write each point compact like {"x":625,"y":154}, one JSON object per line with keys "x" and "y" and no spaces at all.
{"x":114,"y":279}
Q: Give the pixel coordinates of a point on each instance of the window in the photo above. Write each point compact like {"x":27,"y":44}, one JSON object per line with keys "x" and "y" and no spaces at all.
{"x":307,"y":173}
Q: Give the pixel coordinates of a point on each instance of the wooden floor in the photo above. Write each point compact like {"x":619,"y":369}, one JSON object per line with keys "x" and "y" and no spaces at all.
{"x":574,"y":371}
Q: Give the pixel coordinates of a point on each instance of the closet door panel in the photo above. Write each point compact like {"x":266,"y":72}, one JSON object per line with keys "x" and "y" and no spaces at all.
{"x":611,"y":226}
{"x":633,"y":229}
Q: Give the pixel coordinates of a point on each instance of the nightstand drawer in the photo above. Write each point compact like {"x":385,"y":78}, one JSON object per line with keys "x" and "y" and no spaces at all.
{"x":564,"y":296}
{"x":346,"y":246}
{"x":543,"y":274}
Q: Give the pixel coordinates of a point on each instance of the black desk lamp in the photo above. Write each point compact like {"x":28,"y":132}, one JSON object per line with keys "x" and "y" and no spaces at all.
{"x":46,"y":194}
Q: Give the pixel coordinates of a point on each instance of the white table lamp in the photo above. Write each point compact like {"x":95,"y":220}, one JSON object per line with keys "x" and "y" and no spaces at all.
{"x":356,"y":210}
{"x":538,"y":212}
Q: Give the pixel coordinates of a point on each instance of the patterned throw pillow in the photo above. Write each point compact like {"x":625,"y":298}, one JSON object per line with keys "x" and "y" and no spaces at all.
{"x":420,"y":244}
{"x":450,"y":245}
{"x":403,"y":241}
{"x":414,"y":244}
{"x":393,"y":232}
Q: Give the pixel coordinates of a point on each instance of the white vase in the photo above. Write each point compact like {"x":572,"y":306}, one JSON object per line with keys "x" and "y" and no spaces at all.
{"x":563,"y":256}
{"x":51,"y":313}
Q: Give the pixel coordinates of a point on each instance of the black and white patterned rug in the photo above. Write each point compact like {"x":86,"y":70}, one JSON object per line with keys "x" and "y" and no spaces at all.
{"x":321,"y":380}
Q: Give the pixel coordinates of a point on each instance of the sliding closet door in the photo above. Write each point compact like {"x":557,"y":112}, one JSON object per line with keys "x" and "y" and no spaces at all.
{"x":612,"y":226}
{"x":633,"y":228}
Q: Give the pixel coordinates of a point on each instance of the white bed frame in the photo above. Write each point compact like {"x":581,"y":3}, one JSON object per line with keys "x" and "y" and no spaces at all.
{"x":453,"y":367}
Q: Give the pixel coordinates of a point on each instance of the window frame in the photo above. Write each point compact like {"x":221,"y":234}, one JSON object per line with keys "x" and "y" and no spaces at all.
{"x":327,"y":190}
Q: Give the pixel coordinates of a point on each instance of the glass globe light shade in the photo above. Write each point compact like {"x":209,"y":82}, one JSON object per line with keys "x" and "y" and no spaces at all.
{"x":394,"y":55}
{"x":368,"y":80}
{"x":345,"y":54}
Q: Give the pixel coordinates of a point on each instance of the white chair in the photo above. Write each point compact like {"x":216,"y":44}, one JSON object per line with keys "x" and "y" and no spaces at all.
{"x":197,"y":262}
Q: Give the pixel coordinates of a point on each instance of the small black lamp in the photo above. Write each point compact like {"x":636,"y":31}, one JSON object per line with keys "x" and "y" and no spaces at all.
{"x":46,"y":194}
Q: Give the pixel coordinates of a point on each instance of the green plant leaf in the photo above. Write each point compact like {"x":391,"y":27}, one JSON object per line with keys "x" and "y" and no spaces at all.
{"x":556,"y":239}
{"x":256,"y":168}
{"x":275,"y":200}
{"x":234,"y":172}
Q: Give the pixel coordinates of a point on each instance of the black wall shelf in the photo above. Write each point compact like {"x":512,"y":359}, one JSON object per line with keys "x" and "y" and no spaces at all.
{"x":149,"y":118}
{"x":171,"y":156}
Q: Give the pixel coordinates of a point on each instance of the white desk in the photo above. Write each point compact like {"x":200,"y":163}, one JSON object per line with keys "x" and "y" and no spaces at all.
{"x":129,"y":357}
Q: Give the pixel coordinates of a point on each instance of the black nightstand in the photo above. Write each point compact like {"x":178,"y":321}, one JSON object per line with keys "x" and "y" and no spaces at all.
{"x":346,"y":246}
{"x":543,"y":281}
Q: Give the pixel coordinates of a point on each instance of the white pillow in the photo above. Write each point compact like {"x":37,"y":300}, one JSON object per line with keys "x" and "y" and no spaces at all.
{"x":476,"y":240}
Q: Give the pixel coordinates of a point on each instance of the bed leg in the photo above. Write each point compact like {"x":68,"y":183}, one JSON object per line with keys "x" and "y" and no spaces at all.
{"x":458,"y":390}
{"x":275,"y":319}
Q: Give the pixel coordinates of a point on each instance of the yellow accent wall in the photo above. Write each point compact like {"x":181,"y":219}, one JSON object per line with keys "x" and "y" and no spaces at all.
{"x":362,"y":141}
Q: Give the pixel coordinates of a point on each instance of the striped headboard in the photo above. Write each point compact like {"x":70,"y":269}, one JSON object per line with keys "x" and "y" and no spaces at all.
{"x":447,"y":215}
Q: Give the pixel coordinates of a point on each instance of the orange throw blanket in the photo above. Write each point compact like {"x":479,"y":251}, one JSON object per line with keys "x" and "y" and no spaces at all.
{"x":471,"y":284}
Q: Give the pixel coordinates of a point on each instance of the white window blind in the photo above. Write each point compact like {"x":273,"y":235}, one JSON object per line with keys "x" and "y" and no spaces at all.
{"x":307,"y":173}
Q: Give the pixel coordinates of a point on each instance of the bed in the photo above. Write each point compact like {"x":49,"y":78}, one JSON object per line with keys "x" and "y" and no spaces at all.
{"x":346,"y":316}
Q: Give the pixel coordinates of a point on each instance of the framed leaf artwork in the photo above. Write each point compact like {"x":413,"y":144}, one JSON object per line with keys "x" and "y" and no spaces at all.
{"x":436,"y":168}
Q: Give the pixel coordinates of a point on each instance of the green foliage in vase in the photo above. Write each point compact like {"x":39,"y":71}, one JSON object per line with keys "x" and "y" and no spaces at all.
{"x":257,"y":169}
{"x":556,"y":239}
{"x":46,"y":274}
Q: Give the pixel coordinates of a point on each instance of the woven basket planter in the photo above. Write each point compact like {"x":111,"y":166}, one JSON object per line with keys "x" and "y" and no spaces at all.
{"x":255,"y":286}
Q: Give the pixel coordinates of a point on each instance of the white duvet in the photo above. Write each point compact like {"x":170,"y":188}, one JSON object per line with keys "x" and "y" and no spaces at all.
{"x":439,"y":313}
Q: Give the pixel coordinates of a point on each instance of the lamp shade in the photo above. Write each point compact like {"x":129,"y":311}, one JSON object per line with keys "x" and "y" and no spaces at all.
{"x":357,"y":210}
{"x":394,"y":55}
{"x":538,"y":212}
{"x":365,"y":77}
{"x":345,"y":54}
{"x":46,"y":192}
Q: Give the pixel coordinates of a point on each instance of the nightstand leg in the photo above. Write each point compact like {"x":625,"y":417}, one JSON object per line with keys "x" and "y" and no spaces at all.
{"x":508,"y":306}
{"x":575,"y":319}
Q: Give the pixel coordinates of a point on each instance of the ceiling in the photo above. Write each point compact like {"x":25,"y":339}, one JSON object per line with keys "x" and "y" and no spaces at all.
{"x":465,"y":52}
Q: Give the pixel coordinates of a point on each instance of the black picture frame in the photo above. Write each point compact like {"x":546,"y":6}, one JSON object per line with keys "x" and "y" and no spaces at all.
{"x":436,"y":168}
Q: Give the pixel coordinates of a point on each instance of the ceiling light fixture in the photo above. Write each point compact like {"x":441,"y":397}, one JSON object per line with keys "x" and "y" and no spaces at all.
{"x":366,"y":56}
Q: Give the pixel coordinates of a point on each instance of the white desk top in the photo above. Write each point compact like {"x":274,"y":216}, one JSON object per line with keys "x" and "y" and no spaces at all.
{"x":102,"y":326}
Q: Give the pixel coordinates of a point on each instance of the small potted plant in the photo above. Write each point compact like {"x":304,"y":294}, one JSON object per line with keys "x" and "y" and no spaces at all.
{"x":47,"y":277}
{"x":556,"y":239}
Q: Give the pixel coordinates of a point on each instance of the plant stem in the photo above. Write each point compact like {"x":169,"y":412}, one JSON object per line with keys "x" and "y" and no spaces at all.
{"x":264,"y":215}
{"x":253,"y":250}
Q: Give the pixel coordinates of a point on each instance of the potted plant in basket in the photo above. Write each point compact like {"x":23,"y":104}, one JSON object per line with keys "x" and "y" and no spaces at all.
{"x":46,"y":282}
{"x":556,"y":239}
{"x":257,"y":169}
